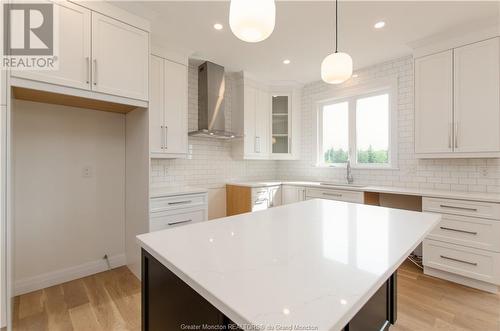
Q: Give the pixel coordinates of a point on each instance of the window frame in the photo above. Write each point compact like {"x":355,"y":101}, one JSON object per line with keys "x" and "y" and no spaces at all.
{"x":351,"y":94}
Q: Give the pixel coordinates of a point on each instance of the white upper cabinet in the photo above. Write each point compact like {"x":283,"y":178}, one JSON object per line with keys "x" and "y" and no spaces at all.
{"x":457,"y":102}
{"x":168,"y":105}
{"x":250,"y":118}
{"x":285,"y":124}
{"x":477,"y":97}
{"x":120,"y":54}
{"x":156,"y":105}
{"x":74,"y":50}
{"x":434,"y":103}
{"x":262,"y":136}
{"x":95,"y":53}
{"x":176,"y":108}
{"x":267,"y":121}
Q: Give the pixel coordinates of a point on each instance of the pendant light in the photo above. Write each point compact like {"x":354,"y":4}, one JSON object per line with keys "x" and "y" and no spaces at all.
{"x":336,"y":68}
{"x":252,"y":20}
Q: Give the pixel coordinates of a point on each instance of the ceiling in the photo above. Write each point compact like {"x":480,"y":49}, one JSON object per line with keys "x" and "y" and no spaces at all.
{"x":304,"y":32}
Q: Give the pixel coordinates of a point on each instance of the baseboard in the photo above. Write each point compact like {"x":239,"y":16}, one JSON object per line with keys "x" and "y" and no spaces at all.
{"x":31,"y":284}
{"x":474,"y":283}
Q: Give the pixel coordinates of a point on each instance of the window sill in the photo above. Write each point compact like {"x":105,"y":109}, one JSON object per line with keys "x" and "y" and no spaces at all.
{"x":343,"y":166}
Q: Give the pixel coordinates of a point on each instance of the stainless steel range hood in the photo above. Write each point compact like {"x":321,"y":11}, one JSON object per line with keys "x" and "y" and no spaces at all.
{"x":211,"y":88}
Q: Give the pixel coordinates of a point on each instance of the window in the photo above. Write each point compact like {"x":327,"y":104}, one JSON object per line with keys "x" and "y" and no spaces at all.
{"x":359,"y":128}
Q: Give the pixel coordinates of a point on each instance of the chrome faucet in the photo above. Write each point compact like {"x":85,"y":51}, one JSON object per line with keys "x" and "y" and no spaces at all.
{"x":348,"y":176}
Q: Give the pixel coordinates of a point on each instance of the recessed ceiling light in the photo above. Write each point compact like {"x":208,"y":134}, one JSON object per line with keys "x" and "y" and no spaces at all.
{"x":379,"y":25}
{"x":287,"y":61}
{"x":218,"y":26}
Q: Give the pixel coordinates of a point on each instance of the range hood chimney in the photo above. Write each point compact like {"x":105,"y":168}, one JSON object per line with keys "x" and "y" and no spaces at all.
{"x":211,"y":89}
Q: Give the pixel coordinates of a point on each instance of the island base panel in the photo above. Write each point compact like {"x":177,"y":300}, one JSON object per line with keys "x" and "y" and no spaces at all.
{"x":168,"y":303}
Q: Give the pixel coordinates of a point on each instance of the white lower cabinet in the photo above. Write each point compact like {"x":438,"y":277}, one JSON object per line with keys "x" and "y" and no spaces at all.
{"x":335,"y":194}
{"x":291,"y":194}
{"x":176,"y":210}
{"x":168,"y":219}
{"x":465,"y":246}
{"x":468,"y":266}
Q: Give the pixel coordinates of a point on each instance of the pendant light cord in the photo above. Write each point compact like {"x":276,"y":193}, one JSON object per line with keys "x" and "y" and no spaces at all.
{"x":336,"y":26}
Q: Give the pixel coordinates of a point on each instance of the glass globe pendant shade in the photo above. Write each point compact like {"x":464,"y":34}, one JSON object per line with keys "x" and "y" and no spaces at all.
{"x":252,"y":20}
{"x":336,"y":68}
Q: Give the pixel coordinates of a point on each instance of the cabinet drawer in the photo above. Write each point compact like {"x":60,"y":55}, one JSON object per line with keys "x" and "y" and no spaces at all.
{"x":165,"y":220}
{"x":468,"y":231}
{"x":468,"y":262}
{"x":462,"y":207}
{"x":339,"y":195}
{"x":178,"y":202}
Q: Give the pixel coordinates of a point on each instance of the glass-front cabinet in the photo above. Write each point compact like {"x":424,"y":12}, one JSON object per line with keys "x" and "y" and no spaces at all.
{"x":285,"y":123}
{"x":280,"y":120}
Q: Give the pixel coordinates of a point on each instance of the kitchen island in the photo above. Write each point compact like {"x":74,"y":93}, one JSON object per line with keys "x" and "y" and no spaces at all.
{"x":312,"y":265}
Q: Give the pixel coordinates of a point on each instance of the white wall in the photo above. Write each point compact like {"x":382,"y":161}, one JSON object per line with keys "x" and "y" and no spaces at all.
{"x":480,"y":175}
{"x":64,"y":221}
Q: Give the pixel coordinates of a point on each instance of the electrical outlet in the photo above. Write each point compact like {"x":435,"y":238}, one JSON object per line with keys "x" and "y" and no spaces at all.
{"x":87,"y":172}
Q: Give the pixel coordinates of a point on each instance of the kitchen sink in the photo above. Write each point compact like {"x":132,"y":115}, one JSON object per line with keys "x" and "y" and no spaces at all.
{"x":341,"y":184}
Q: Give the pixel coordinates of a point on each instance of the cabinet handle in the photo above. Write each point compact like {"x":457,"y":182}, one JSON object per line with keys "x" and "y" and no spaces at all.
{"x":179,"y":202}
{"x":162,"y":137}
{"x":180,"y":222}
{"x":457,"y":260}
{"x":87,"y":69}
{"x":457,"y":230}
{"x":450,"y":130}
{"x":257,"y":144}
{"x":94,"y":75}
{"x":289,"y":145}
{"x":333,"y":194}
{"x":456,"y":134}
{"x":166,"y":136}
{"x":459,"y":208}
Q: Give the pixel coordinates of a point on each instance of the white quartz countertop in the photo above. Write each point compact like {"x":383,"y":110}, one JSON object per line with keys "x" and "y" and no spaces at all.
{"x":476,"y":196}
{"x":166,"y":191}
{"x":314,"y":263}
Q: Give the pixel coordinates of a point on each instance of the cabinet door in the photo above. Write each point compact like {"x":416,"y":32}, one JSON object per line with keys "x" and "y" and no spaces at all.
{"x":175,"y":108}
{"x":156,"y":105}
{"x":249,"y":118}
{"x":120,"y":55}
{"x":434,"y":103}
{"x":74,"y":50}
{"x":477,"y":96}
{"x":262,"y":133}
{"x":280,"y":125}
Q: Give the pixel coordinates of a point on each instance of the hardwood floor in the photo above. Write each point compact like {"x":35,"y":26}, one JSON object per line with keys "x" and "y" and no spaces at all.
{"x":111,"y":301}
{"x":106,"y":301}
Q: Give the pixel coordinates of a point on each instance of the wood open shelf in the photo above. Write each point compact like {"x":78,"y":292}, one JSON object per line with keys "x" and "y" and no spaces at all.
{"x":22,"y":93}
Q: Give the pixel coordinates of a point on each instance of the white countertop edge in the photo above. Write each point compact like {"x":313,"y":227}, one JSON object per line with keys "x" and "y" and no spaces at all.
{"x":221,"y":306}
{"x":360,"y":303}
{"x":240,"y":321}
{"x":458,"y":195}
